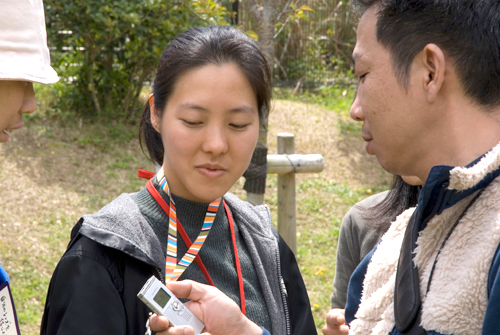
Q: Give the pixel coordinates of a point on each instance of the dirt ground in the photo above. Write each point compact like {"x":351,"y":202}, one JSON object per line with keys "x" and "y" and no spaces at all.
{"x":49,"y":176}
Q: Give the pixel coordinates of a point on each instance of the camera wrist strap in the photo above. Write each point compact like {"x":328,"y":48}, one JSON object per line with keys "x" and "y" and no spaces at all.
{"x":167,"y":209}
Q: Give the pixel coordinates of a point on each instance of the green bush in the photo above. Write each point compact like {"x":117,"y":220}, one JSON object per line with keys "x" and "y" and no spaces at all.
{"x":105,"y":50}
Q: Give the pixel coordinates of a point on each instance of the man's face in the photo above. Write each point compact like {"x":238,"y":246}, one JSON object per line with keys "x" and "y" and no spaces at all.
{"x":394,"y":119}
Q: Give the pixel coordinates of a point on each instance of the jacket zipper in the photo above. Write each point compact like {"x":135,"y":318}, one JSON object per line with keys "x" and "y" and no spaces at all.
{"x":159,"y":275}
{"x":284,"y":294}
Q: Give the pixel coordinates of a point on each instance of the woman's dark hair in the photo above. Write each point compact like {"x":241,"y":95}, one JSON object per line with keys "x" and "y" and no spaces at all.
{"x":195,"y":48}
{"x":401,"y":197}
{"x":468,"y":31}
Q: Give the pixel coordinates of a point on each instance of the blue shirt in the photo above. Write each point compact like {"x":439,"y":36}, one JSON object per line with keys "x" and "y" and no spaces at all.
{"x":4,"y":277}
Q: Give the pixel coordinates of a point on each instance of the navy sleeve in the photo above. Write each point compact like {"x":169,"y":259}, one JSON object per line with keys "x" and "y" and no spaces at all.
{"x":491,"y":324}
{"x":355,"y":287}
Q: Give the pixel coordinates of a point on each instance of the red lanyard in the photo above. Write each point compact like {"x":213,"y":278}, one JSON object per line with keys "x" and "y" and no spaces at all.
{"x":166,"y":208}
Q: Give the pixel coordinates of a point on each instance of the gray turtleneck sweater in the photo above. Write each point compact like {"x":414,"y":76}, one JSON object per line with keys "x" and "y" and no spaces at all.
{"x":217,"y":253}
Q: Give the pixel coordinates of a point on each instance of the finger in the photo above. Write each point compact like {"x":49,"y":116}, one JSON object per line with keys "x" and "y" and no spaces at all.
{"x":335,"y":330}
{"x":340,"y":319}
{"x":158,"y":323}
{"x":344,"y":330}
{"x":335,"y":317}
{"x":180,"y":330}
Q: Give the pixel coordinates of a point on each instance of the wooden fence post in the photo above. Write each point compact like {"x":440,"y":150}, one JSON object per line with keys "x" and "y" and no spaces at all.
{"x":286,"y":195}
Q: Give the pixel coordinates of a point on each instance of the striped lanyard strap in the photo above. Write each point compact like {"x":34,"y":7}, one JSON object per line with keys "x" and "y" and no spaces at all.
{"x":174,"y":270}
{"x":152,"y":190}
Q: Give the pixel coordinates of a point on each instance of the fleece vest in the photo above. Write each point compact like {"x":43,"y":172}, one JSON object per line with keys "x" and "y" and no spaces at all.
{"x":457,"y":298}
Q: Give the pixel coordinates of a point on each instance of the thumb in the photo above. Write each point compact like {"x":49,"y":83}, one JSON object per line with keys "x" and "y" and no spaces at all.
{"x":189,"y":289}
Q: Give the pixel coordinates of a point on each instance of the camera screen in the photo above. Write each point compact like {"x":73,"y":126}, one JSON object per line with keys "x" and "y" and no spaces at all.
{"x":161,"y":298}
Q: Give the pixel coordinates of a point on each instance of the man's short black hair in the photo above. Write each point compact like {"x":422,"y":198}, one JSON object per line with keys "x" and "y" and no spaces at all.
{"x":468,"y":31}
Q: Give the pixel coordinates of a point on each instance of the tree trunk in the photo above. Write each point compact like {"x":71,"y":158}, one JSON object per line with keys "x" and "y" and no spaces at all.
{"x":264,"y":15}
{"x":92,"y":53}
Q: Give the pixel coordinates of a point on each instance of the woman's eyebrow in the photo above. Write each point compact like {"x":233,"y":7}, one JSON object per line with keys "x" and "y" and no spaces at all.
{"x":189,"y":105}
{"x":239,"y":109}
{"x":243,"y":109}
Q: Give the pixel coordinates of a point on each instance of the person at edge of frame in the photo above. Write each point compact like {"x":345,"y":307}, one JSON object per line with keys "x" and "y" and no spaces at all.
{"x":24,"y":60}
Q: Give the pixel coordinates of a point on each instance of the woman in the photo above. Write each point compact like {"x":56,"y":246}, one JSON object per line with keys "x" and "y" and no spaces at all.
{"x":361,"y":230}
{"x":201,"y":124}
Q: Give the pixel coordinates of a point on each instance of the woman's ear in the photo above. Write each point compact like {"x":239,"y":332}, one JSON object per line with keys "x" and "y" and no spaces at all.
{"x":155,"y":119}
{"x":435,"y":64}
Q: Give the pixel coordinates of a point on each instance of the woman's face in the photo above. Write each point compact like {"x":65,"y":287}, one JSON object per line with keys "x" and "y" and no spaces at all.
{"x":209,"y":130}
{"x":16,"y":98}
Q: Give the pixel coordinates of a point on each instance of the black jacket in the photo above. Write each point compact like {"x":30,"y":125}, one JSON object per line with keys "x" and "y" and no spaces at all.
{"x":94,"y":287}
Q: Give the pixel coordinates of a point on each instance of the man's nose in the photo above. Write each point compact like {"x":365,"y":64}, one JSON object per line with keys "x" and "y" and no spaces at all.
{"x":356,"y":111}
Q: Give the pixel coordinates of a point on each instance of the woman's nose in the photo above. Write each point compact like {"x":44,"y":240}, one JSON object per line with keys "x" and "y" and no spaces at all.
{"x":216,"y":141}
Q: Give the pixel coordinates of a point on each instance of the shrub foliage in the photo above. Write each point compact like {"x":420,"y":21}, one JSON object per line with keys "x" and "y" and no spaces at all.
{"x":105,"y":50}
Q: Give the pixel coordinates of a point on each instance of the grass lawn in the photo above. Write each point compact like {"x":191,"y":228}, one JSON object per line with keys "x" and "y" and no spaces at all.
{"x":52,"y":174}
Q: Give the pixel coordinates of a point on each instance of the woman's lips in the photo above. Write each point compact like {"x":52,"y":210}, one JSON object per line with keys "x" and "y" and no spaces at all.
{"x":211,"y":171}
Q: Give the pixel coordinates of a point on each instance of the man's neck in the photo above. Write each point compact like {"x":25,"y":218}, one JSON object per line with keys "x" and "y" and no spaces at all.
{"x":468,"y":133}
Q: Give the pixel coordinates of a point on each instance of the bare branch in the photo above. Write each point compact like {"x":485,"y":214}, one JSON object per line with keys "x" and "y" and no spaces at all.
{"x":194,"y":12}
{"x":282,"y":27}
{"x":284,"y":10}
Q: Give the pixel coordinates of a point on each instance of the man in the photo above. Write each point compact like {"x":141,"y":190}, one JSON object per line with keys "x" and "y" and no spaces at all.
{"x":429,"y":100}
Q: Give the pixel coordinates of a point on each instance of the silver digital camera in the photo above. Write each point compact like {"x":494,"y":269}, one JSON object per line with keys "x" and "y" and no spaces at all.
{"x":163,"y":302}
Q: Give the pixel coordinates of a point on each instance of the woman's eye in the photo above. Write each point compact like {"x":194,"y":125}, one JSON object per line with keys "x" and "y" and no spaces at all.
{"x":191,"y":123}
{"x":238,"y":126}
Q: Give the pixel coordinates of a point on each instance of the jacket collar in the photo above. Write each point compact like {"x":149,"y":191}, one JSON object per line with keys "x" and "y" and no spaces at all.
{"x":446,"y":185}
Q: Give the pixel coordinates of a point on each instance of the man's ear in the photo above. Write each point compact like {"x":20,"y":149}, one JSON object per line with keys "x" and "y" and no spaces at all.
{"x":155,"y":119}
{"x":435,"y":63}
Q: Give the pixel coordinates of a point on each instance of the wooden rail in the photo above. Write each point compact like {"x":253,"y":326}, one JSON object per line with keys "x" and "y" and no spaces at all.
{"x":286,"y":164}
